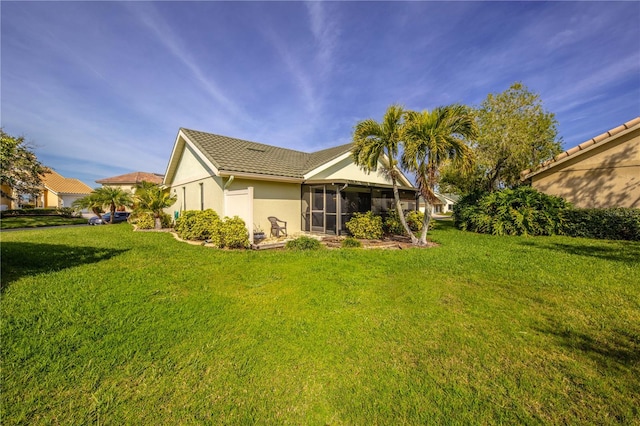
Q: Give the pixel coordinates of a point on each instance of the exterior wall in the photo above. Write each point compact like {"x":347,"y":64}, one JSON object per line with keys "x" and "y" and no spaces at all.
{"x":6,"y":203}
{"x":200,"y":194}
{"x":347,"y":170}
{"x":190,"y":168}
{"x":278,"y":199}
{"x":51,"y":199}
{"x":605,"y":176}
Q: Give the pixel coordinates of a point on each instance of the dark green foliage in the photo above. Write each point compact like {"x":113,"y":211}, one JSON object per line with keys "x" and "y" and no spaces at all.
{"x":67,"y":212}
{"x":609,"y":224}
{"x":351,"y":242}
{"x":200,"y":225}
{"x":303,"y":243}
{"x":234,"y":233}
{"x":519,"y":211}
{"x":365,"y":225}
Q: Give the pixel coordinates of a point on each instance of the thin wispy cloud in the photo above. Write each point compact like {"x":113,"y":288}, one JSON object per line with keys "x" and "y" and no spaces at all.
{"x":104,"y":86}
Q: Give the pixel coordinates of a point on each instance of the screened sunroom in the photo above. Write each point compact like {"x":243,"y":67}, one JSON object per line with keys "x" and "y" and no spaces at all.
{"x":326,"y":208}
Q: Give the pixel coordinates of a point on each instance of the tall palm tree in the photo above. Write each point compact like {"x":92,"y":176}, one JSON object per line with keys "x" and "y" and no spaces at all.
{"x":375,"y":141}
{"x":113,"y":197}
{"x":431,"y":138}
{"x":153,"y":198}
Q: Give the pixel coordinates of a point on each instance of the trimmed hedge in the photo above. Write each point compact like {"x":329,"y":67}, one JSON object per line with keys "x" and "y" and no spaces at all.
{"x":62,"y":211}
{"x":607,"y":224}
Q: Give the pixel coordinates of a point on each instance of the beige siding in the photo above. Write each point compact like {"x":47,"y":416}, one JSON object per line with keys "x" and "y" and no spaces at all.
{"x":346,"y":170}
{"x":281,"y":200}
{"x":190,"y":168}
{"x":605,"y":176}
{"x":189,"y":195}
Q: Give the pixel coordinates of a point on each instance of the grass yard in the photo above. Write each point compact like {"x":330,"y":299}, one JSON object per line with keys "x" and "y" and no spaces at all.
{"x":38,"y":221}
{"x":104,"y":325}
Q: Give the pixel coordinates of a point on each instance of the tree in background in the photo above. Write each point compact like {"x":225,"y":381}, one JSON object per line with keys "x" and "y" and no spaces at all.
{"x":374,"y":142}
{"x":152,"y":198}
{"x":19,"y":167}
{"x":515,"y":133}
{"x":430,"y":139}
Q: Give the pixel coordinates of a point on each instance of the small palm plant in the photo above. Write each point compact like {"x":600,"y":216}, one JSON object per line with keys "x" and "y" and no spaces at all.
{"x":152,"y":198}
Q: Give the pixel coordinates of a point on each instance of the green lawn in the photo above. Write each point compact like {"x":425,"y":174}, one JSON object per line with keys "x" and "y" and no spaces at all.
{"x":104,"y":325}
{"x":38,"y":221}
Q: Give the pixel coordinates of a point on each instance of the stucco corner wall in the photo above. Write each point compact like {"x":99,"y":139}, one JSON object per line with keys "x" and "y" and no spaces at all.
{"x":278,"y":199}
{"x":606,"y":176}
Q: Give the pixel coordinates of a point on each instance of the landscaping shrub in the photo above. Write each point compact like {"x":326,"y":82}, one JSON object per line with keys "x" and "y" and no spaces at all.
{"x":234,"y":233}
{"x":365,"y":225}
{"x":200,"y":225}
{"x":303,"y":243}
{"x":143,"y":221}
{"x":67,"y":212}
{"x":392,"y":224}
{"x":609,"y":223}
{"x":519,"y":211}
{"x":351,"y":242}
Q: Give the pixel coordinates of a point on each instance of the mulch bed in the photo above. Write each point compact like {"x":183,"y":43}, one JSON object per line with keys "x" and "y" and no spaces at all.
{"x":389,"y":243}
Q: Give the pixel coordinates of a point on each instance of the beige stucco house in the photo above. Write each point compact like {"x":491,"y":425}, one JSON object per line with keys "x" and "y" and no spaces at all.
{"x":313,"y":192}
{"x":601,"y":172}
{"x":129,"y":181}
{"x":6,"y":198}
{"x":60,"y":191}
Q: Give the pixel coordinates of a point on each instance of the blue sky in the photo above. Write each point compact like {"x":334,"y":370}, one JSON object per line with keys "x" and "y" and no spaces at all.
{"x":101,"y":88}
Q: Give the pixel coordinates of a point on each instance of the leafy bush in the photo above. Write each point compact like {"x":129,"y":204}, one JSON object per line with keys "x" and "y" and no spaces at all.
{"x":351,"y":242}
{"x":610,"y":223}
{"x":365,"y":225}
{"x":200,"y":225}
{"x":392,"y":224}
{"x":67,"y":212}
{"x":143,"y":221}
{"x":519,"y":211}
{"x":234,"y":233}
{"x":303,"y":243}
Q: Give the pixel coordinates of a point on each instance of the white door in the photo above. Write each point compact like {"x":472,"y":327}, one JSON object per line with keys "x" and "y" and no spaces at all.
{"x":240,"y":203}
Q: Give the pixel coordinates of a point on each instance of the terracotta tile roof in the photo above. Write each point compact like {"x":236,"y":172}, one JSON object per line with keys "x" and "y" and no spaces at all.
{"x":62,"y":185}
{"x":132,"y":178}
{"x":237,"y":155}
{"x":577,"y":150}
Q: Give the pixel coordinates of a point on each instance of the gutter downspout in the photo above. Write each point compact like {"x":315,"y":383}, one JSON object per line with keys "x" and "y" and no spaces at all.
{"x":231,"y":178}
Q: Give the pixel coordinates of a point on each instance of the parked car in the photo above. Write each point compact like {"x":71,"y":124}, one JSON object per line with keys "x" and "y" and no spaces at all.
{"x":106,"y":218}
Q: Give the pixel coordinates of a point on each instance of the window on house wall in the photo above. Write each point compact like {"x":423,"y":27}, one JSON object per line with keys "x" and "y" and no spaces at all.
{"x":184,"y":198}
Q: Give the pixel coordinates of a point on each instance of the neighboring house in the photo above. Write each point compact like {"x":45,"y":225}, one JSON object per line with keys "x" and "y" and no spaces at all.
{"x":313,"y":192}
{"x":6,"y":203}
{"x":601,"y":172}
{"x":130,"y":180}
{"x":60,"y":191}
{"x":444,"y":204}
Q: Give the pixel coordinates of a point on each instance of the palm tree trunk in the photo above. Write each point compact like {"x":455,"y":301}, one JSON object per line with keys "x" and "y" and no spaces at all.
{"x":426,"y":221}
{"x":396,"y":196}
{"x":158,"y":221}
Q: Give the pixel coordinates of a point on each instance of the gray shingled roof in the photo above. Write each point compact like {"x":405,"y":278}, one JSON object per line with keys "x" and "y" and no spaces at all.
{"x":237,"y":155}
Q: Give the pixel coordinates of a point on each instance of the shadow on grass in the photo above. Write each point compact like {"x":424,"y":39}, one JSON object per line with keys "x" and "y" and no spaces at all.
{"x":20,"y":259}
{"x":619,"y":346}
{"x":626,"y":252}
